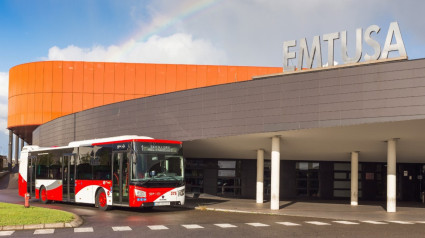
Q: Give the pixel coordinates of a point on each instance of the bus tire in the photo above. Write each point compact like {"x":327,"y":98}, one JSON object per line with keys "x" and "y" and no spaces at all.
{"x":101,"y":200}
{"x":43,"y":195}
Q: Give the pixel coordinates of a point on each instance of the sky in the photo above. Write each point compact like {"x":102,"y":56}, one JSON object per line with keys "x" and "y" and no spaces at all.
{"x":218,"y":32}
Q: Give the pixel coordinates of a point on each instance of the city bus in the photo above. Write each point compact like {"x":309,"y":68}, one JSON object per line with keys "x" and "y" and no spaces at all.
{"x":130,"y":171}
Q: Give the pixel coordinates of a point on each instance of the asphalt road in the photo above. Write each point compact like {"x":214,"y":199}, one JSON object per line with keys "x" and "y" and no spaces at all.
{"x":180,"y":222}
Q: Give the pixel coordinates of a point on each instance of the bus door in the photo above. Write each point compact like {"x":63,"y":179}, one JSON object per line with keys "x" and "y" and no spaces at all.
{"x":31,"y":175}
{"x":120,"y":178}
{"x":68,"y":175}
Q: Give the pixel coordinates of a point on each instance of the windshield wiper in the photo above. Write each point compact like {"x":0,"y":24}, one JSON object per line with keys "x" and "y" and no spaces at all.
{"x":146,"y":181}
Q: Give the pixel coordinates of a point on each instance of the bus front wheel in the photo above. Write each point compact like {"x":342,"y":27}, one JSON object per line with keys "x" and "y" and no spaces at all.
{"x":43,"y":195}
{"x":101,"y":200}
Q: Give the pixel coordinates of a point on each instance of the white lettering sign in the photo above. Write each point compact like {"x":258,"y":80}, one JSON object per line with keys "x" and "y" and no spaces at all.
{"x":304,"y":55}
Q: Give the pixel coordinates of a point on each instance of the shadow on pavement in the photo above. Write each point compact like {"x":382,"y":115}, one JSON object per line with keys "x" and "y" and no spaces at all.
{"x":10,"y":180}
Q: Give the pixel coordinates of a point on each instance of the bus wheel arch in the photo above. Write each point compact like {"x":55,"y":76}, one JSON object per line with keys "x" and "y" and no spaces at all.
{"x":101,"y":200}
{"x":43,"y":195}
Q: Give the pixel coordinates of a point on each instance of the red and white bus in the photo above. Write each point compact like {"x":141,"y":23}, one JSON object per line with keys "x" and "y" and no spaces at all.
{"x":131,"y":171}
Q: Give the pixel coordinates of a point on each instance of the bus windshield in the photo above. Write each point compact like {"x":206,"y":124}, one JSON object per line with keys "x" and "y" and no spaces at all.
{"x":157,"y":163}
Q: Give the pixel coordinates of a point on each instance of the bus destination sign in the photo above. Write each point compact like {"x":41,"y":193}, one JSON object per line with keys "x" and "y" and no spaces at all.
{"x":159,"y":148}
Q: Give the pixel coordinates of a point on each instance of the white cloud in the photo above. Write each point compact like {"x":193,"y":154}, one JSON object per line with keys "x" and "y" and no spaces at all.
{"x":251,"y":32}
{"x":179,"y":48}
{"x":4,"y":81}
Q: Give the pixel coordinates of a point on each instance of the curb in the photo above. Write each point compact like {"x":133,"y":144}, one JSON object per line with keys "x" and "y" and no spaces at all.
{"x":202,"y":208}
{"x":78,"y":221}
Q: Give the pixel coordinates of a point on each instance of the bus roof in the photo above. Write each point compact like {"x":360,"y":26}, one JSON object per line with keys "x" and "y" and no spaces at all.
{"x":35,"y":148}
{"x":101,"y":141}
{"x":108,"y":140}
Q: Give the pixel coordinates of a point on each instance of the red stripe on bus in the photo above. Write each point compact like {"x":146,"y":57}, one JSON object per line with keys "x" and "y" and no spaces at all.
{"x":151,"y":195}
{"x":139,"y":140}
{"x":81,"y":184}
{"x":55,"y":194}
{"x":22,"y":186}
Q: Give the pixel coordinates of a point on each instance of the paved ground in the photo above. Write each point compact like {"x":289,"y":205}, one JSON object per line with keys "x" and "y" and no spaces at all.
{"x":295,"y":218}
{"x":407,"y":211}
{"x":193,"y":223}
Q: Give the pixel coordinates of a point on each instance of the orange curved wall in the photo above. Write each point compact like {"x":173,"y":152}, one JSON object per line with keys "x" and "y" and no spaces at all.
{"x":42,"y":91}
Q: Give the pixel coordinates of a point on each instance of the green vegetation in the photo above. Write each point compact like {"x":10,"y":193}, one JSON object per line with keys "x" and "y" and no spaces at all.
{"x":12,"y":214}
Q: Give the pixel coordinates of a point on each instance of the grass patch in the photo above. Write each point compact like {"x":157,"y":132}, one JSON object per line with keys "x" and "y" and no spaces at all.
{"x":12,"y":214}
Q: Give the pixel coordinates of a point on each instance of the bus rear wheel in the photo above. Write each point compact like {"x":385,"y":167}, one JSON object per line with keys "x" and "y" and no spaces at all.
{"x":43,"y":195}
{"x":101,"y":200}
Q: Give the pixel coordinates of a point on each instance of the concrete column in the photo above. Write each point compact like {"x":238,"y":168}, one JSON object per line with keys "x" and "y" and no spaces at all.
{"x":391,"y":175}
{"x":22,"y":143}
{"x":260,"y":176}
{"x":354,"y":178}
{"x":9,"y":154}
{"x":16,"y":149}
{"x":275,"y":173}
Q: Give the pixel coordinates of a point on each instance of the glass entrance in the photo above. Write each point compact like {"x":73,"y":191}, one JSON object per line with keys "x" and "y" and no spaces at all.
{"x":120,"y":178}
{"x":307,"y":179}
{"x":68,"y":173}
{"x":30,"y":175}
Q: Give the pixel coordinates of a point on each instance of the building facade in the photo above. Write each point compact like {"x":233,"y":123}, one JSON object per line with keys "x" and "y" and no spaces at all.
{"x":354,"y":132}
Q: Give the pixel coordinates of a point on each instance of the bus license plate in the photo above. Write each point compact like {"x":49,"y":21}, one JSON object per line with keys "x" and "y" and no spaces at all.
{"x":162,"y":204}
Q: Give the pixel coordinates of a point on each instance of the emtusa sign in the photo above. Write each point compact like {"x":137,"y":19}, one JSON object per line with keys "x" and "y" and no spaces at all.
{"x":315,"y":54}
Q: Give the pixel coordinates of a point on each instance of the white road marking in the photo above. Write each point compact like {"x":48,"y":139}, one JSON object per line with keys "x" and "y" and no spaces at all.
{"x":121,"y":228}
{"x":83,"y":229}
{"x":422,"y":222}
{"x":6,"y":233}
{"x":257,"y":224}
{"x":192,"y":226}
{"x":158,"y":227}
{"x":44,"y":231}
{"x":402,"y":222}
{"x":347,"y":222}
{"x":376,"y":222}
{"x":317,"y":223}
{"x":225,"y":225}
{"x":288,"y":224}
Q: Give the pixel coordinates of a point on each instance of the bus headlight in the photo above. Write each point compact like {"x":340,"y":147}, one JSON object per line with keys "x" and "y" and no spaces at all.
{"x":181,"y":192}
{"x":140,"y":193}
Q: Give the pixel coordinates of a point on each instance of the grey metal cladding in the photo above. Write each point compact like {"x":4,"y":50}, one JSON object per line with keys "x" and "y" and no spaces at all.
{"x":380,"y":92}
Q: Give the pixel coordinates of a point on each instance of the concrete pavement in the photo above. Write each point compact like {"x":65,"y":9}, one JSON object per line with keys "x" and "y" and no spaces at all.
{"x":340,"y":210}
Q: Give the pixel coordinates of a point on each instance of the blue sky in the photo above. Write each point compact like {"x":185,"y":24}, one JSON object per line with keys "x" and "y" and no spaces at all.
{"x":237,"y":32}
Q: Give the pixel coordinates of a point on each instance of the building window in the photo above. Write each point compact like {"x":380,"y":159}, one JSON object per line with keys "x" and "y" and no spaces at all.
{"x":307,"y":180}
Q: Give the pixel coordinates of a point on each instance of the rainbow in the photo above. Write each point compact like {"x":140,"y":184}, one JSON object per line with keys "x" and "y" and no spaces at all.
{"x":184,"y":12}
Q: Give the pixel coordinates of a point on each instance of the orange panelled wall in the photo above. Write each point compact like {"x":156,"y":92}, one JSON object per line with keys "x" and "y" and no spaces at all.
{"x":140,"y":80}
{"x":42,"y":91}
{"x":129,"y":79}
{"x":88,"y":77}
{"x":171,"y":78}
{"x":57,"y":76}
{"x":66,"y":103}
{"x":47,"y":107}
{"x":119,"y":78}
{"x":201,"y":76}
{"x":29,"y":119}
{"x":47,"y":77}
{"x":181,"y":78}
{"x":150,"y":79}
{"x":39,"y":73}
{"x":160,"y":76}
{"x":109,"y":75}
{"x":56,"y":105}
{"x":191,"y":76}
{"x":99,"y":80}
{"x":212,"y":74}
